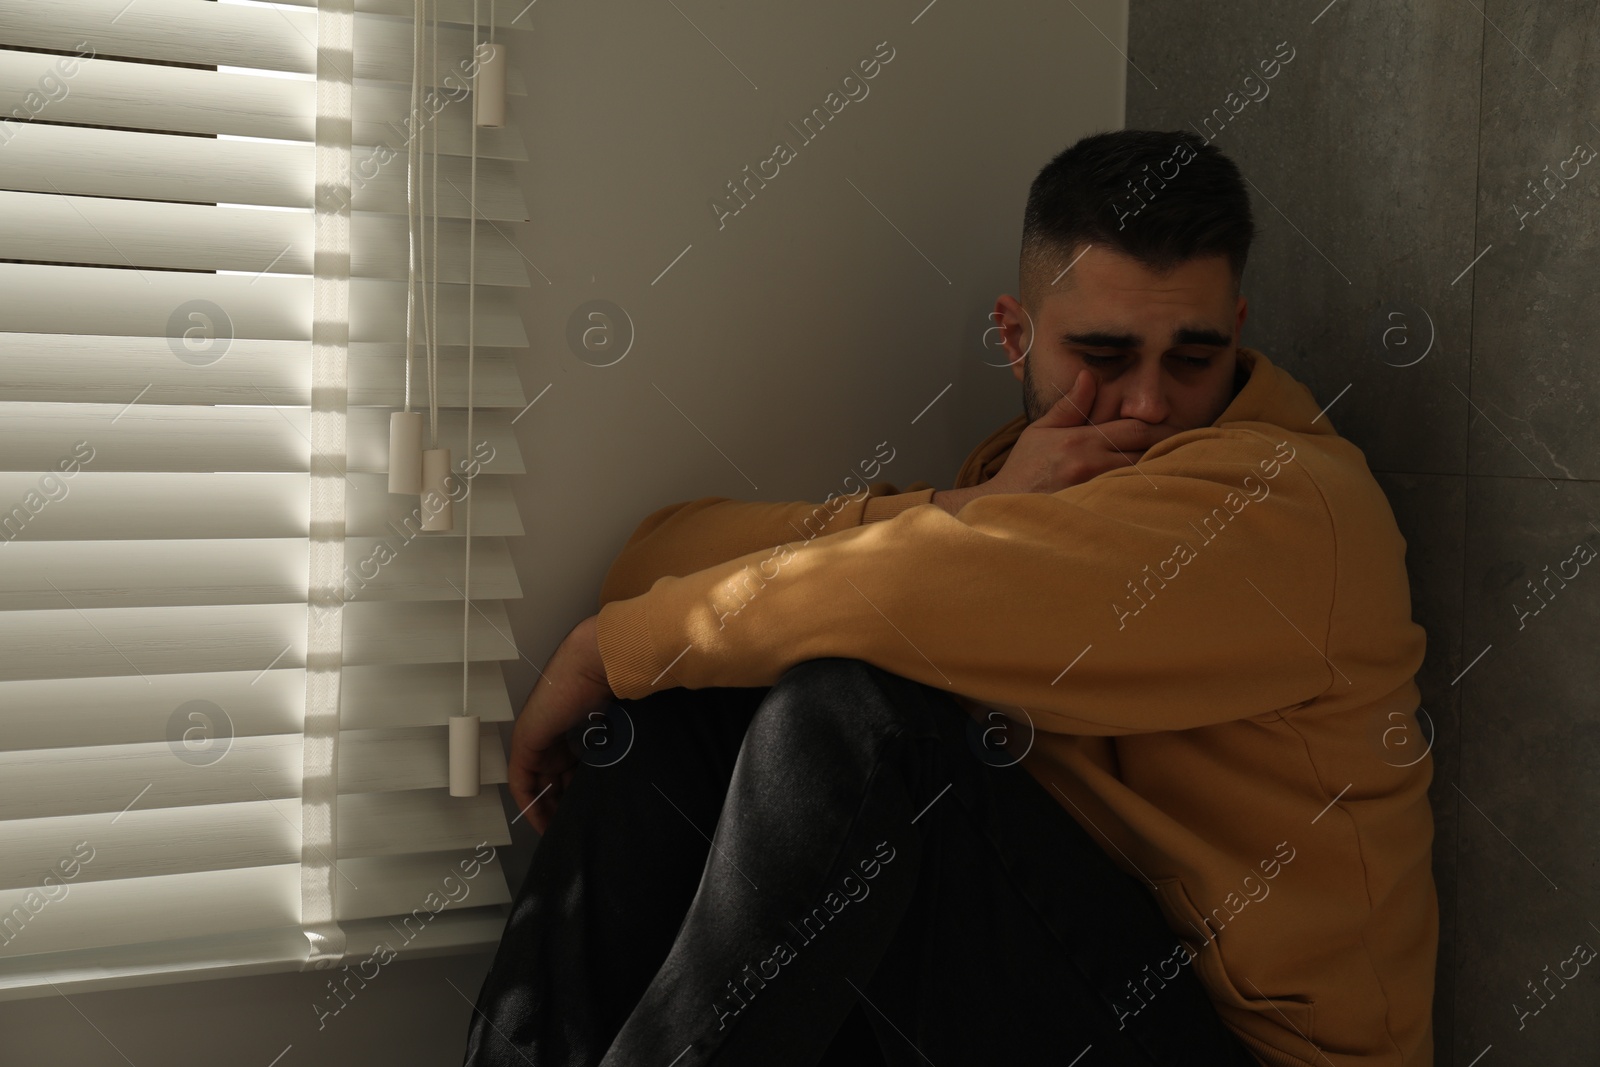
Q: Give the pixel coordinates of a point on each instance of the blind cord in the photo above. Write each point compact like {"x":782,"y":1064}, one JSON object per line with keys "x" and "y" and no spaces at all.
{"x":433,"y":243}
{"x":472,"y":322}
{"x":411,"y":227}
{"x":426,"y":271}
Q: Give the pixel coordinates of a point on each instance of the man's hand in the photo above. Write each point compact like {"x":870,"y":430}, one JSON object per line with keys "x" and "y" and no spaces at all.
{"x":1062,"y":448}
{"x":541,"y":762}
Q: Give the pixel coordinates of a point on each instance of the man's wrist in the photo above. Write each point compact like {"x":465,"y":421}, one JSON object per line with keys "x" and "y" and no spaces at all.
{"x":953,"y":500}
{"x":584,"y":640}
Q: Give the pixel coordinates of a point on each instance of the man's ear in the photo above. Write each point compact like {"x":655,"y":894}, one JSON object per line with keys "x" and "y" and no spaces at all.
{"x":1016,"y":331}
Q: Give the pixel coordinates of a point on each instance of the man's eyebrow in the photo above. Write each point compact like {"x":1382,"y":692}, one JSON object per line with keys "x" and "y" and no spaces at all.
{"x":1101,"y":339}
{"x":1188,"y":335}
{"x":1201,"y":335}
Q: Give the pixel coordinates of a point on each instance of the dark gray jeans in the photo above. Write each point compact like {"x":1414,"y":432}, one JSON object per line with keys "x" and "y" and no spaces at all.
{"x":833,"y":870}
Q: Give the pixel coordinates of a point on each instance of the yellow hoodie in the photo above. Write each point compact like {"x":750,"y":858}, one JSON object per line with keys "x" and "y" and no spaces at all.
{"x":1214,"y":649}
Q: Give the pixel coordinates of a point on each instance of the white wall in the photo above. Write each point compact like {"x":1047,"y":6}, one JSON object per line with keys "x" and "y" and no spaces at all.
{"x":798,"y":336}
{"x":809,"y":327}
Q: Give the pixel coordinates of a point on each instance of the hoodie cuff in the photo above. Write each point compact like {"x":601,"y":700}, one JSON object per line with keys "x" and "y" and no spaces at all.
{"x":626,"y":652}
{"x":887,"y":507}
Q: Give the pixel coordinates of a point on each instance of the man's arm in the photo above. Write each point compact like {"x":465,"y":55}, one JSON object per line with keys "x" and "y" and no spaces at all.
{"x":683,"y":538}
{"x":1106,"y":608}
{"x":953,"y":500}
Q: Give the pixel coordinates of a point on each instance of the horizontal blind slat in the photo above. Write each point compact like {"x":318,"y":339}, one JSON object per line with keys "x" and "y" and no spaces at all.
{"x":139,"y":96}
{"x":103,"y":505}
{"x":180,"y":31}
{"x":418,"y":820}
{"x":108,"y":574}
{"x":203,"y":33}
{"x":138,"y":911}
{"x":119,"y":782}
{"x":391,"y":760}
{"x":236,"y":954}
{"x":510,"y":15}
{"x":450,"y":932}
{"x":238,"y":637}
{"x":276,"y":949}
{"x":155,"y":303}
{"x":426,"y":632}
{"x":175,"y":99}
{"x":199,"y":237}
{"x":427,"y":569}
{"x":130,"y":710}
{"x":74,"y":791}
{"x":47,"y":158}
{"x":212,"y":818}
{"x":112,"y":369}
{"x":145,"y":843}
{"x":383,"y":52}
{"x":416,"y":694}
{"x":150,"y":437}
{"x":421,"y":887}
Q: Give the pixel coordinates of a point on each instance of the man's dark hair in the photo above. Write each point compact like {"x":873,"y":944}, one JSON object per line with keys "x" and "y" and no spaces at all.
{"x":1159,"y":198}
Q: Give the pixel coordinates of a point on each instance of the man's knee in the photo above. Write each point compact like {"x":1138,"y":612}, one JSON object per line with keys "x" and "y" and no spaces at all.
{"x":856,"y":681}
{"x":831,"y":672}
{"x":839,"y":697}
{"x":832,"y":685}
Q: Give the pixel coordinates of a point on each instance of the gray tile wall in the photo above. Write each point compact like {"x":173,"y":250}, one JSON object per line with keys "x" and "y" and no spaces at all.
{"x":1394,"y":151}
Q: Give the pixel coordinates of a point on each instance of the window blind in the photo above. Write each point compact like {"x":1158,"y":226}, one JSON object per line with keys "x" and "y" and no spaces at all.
{"x":227,"y":653}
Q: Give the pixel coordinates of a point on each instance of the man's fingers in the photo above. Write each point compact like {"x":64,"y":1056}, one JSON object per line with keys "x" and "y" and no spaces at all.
{"x":532,"y":807}
{"x":548,"y":774}
{"x":1072,"y":407}
{"x":1132,"y":435}
{"x":524,"y":801}
{"x":545,"y":807}
{"x":517,"y":782}
{"x":528,"y":790}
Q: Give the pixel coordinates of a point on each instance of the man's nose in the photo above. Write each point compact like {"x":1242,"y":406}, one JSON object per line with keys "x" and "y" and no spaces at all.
{"x":1143,"y":395}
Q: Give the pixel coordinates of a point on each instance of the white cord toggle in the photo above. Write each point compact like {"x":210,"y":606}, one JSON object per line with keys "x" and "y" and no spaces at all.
{"x":464,"y":768}
{"x":437,"y":511}
{"x":489,"y":87}
{"x":405,"y":452}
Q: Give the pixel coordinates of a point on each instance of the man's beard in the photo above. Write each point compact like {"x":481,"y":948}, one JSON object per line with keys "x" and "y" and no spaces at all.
{"x":1034,"y":402}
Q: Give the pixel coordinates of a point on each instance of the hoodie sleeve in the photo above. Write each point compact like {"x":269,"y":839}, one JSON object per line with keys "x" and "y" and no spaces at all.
{"x":1192,"y":588}
{"x":681,"y":539}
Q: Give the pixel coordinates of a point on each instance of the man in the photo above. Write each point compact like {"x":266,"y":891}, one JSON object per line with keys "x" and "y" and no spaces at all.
{"x":1171,"y":603}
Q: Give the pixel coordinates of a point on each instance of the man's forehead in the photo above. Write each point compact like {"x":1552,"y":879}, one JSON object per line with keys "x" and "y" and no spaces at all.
{"x":1124,"y":311}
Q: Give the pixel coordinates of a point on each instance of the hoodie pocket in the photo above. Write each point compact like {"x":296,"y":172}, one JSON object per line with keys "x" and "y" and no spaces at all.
{"x":1211,"y":965}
